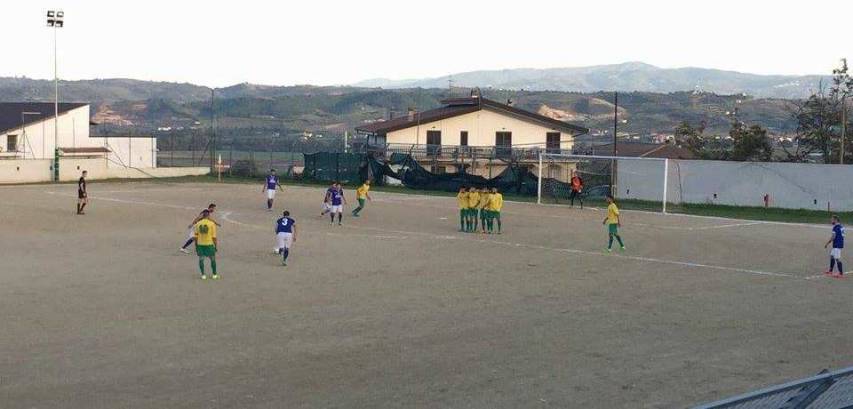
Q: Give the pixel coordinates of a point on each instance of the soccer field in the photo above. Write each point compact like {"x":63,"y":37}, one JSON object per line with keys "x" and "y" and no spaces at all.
{"x":397,"y":309}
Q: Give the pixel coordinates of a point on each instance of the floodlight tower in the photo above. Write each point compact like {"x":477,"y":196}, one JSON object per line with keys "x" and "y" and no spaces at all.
{"x":55,"y":20}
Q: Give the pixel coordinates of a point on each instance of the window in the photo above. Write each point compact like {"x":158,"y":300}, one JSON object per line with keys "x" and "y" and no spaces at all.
{"x":463,"y":138}
{"x":12,"y":143}
{"x":433,"y":143}
{"x":552,"y":142}
{"x":503,"y":144}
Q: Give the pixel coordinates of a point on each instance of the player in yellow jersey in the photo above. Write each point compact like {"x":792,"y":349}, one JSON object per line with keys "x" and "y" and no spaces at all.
{"x":483,"y":208}
{"x":205,"y":243}
{"x":473,"y":201}
{"x":362,"y":195}
{"x":462,"y":202}
{"x":496,"y":203}
{"x":613,"y":223}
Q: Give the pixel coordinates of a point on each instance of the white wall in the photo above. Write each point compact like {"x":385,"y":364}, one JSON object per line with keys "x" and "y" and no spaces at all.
{"x":39,"y":170}
{"x":481,"y":127}
{"x":133,"y":152}
{"x":73,"y":132}
{"x":36,"y":142}
{"x":790,"y":185}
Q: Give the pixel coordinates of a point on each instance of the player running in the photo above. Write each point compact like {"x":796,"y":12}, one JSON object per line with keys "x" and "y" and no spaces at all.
{"x":462,"y":202}
{"x":613,"y":223}
{"x":270,"y":184}
{"x":285,"y":235}
{"x":82,"y":193}
{"x":362,"y":195}
{"x":576,"y":183}
{"x":337,"y":200}
{"x":206,"y":243}
{"x":496,"y":203}
{"x":473,"y":201}
{"x":837,"y":241}
{"x":482,"y":208}
{"x":190,"y":229}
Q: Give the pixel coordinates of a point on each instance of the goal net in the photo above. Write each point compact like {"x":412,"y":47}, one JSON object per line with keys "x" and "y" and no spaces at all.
{"x":638,"y":183}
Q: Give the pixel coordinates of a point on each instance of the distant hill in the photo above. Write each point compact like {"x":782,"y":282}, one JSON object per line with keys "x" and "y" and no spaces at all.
{"x":99,"y":90}
{"x":632,"y":76}
{"x":257,"y":111}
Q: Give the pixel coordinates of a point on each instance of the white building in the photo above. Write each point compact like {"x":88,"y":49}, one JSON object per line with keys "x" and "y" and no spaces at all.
{"x":483,"y":133}
{"x":27,"y":132}
{"x":28,"y":143}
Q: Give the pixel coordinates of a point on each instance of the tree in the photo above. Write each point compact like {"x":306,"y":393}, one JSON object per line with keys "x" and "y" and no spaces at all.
{"x":750,"y":143}
{"x":816,"y":118}
{"x":693,"y":138}
{"x":819,"y":119}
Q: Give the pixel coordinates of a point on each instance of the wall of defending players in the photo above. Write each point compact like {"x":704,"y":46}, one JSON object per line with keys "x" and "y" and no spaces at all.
{"x":479,"y":210}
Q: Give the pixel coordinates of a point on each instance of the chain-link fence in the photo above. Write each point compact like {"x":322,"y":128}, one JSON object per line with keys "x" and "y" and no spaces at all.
{"x":243,"y":156}
{"x":827,"y":390}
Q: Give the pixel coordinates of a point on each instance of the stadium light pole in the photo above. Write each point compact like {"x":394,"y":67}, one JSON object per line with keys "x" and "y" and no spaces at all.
{"x":55,"y":20}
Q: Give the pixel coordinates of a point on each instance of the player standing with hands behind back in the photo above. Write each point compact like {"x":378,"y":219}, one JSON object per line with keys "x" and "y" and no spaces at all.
{"x":613,"y":223}
{"x":270,"y":184}
{"x":82,"y":194}
{"x":837,"y":241}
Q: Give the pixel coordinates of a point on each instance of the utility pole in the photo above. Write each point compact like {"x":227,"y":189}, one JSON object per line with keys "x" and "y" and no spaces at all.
{"x":615,"y":130}
{"x":212,"y":128}
{"x":843,"y":127}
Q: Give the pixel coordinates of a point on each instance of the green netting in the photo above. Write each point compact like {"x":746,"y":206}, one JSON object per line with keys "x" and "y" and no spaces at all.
{"x":343,"y":167}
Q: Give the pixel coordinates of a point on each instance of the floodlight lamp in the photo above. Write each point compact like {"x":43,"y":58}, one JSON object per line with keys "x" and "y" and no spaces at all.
{"x":50,"y":13}
{"x":60,"y":14}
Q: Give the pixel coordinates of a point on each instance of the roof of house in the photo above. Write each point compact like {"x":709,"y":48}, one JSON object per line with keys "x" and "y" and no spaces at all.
{"x":461,"y":106}
{"x":644,"y":150}
{"x":12,"y":113}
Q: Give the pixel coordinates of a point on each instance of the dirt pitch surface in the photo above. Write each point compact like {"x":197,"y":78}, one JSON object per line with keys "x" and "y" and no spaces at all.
{"x":397,"y":309}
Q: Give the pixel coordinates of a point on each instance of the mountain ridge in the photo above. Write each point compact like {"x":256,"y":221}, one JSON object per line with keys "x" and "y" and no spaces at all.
{"x":634,"y":76}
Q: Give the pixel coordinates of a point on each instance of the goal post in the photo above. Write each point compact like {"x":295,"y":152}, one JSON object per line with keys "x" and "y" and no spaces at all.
{"x":644,"y":182}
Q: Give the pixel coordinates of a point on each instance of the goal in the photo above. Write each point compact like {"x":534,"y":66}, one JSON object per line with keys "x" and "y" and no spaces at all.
{"x":644,"y":182}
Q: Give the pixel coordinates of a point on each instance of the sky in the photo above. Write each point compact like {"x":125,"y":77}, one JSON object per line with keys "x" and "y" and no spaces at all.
{"x":341,"y":42}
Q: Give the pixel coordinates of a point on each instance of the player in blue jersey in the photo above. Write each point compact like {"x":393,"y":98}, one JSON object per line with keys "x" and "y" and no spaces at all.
{"x":337,"y":200}
{"x":837,"y":242}
{"x":327,"y":200}
{"x":285,"y":235}
{"x":270,"y":185}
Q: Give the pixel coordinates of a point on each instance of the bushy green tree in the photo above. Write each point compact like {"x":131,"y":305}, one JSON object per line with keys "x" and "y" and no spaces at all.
{"x":750,"y":143}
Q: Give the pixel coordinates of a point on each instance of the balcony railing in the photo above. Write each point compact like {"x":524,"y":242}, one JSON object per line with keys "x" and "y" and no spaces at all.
{"x":458,"y":153}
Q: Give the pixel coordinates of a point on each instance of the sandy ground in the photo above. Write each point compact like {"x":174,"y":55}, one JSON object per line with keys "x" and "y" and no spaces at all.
{"x":397,"y":309}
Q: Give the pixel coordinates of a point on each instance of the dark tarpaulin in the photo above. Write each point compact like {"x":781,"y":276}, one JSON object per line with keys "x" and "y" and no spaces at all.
{"x":352,"y":168}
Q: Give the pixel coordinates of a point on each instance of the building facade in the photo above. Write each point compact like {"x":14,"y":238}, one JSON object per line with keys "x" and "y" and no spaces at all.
{"x":27,"y":132}
{"x":477,"y":134}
